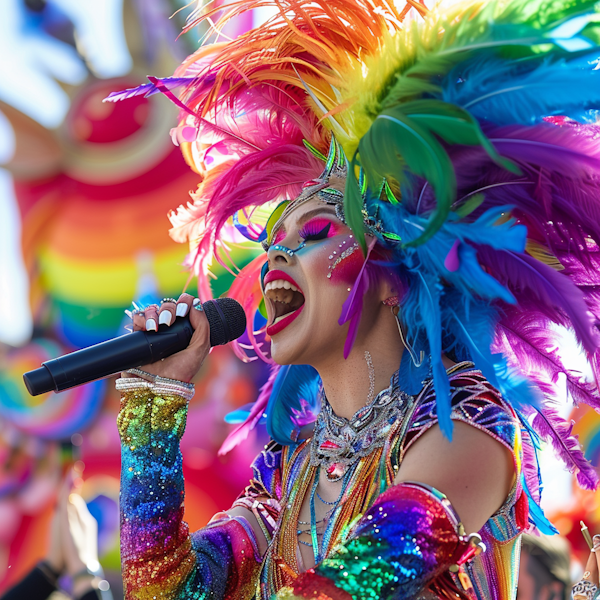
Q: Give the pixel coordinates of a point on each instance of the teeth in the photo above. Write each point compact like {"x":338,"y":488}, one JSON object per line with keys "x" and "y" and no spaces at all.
{"x":283,"y":317}
{"x":280,"y":283}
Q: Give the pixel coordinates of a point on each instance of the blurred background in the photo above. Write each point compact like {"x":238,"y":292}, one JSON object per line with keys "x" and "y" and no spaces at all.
{"x":84,"y":196}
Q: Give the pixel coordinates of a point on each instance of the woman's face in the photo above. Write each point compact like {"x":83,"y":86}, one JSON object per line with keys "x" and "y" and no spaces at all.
{"x":305,"y":290}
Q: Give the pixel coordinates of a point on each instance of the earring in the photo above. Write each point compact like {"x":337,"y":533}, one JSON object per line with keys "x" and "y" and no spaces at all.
{"x":371,"y":370}
{"x":393,"y":302}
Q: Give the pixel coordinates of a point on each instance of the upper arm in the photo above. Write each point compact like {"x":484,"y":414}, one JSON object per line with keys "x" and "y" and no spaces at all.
{"x":261,"y":538}
{"x":259,"y":503}
{"x":474,"y":470}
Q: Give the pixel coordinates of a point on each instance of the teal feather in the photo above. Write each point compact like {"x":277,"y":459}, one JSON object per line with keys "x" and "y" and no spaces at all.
{"x":292,"y":384}
{"x":536,"y":513}
{"x":507,"y":93}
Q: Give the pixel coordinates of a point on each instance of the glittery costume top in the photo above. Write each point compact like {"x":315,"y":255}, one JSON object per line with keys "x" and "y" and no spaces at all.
{"x":374,"y":522}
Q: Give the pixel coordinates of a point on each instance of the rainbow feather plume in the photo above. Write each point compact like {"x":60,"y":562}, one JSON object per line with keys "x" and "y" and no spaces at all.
{"x":477,"y":119}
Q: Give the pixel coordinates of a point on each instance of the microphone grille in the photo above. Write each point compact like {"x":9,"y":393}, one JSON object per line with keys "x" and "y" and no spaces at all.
{"x":226,"y":318}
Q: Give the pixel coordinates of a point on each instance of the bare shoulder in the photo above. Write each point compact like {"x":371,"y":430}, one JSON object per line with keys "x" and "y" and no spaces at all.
{"x":474,"y":470}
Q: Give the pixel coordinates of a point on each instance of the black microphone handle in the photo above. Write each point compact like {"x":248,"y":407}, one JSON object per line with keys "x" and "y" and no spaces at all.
{"x":107,"y":358}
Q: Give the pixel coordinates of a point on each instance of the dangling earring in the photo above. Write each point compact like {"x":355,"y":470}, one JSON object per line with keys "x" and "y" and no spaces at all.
{"x":371,"y":370}
{"x":394,"y":303}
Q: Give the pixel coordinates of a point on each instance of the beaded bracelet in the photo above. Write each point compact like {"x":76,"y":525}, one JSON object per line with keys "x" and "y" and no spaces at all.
{"x":155,"y":383}
{"x":49,"y":573}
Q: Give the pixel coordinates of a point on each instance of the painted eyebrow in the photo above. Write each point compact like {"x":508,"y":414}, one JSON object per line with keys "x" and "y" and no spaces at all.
{"x":308,"y":216}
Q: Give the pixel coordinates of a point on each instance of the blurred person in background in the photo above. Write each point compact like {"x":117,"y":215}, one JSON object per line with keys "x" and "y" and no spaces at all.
{"x":587,"y":588}
{"x":72,"y":552}
{"x":544,"y":572}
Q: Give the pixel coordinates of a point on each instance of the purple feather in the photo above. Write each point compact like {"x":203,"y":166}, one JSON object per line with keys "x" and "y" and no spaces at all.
{"x":530,"y":279}
{"x":241,"y":432}
{"x":557,"y":149}
{"x":352,"y":308}
{"x":148,"y":89}
{"x":558,"y":191}
{"x":554,"y":429}
{"x":528,"y":342}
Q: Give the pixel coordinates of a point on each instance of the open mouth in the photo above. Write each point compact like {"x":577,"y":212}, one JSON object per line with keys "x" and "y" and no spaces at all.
{"x":285,"y":298}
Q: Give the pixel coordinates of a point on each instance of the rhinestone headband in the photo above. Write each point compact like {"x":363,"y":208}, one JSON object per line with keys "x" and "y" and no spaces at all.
{"x":336,"y":167}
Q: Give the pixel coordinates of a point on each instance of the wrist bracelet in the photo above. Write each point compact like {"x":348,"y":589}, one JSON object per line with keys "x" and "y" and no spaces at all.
{"x":49,"y":573}
{"x":155,"y":383}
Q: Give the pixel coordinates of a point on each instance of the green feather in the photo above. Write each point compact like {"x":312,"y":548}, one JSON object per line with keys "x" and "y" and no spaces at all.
{"x":274,"y":217}
{"x":314,"y":151}
{"x":262,"y":309}
{"x":353,"y":205}
{"x":389,"y":194}
{"x":470,"y":205}
{"x":394,"y":135}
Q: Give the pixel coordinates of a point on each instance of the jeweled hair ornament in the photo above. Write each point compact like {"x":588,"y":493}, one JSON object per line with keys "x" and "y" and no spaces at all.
{"x":472,"y":155}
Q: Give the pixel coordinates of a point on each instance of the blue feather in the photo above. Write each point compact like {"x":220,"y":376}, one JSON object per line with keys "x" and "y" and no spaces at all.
{"x":411,"y":377}
{"x":521,"y":92}
{"x":476,"y":279}
{"x":536,"y":514}
{"x":293,"y":383}
{"x":429,"y":307}
{"x":486,"y":230}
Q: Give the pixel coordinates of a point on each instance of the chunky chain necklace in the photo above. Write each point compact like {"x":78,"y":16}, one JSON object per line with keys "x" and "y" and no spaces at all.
{"x":338,"y":443}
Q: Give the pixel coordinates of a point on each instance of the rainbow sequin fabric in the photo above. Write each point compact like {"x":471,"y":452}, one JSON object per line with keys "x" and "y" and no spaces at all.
{"x":383,"y":541}
{"x":160,"y":559}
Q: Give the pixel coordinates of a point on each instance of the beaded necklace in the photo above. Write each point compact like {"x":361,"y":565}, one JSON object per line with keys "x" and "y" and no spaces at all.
{"x":338,"y":443}
{"x":365,"y":477}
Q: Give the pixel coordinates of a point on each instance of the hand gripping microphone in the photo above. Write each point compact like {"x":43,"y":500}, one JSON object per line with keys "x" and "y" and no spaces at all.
{"x":225,"y":316}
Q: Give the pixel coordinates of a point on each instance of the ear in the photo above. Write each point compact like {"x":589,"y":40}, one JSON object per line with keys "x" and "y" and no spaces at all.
{"x":389,"y":288}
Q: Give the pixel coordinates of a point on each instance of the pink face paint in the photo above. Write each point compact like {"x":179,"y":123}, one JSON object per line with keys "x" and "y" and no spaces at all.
{"x":346,"y":262}
{"x":278,"y":237}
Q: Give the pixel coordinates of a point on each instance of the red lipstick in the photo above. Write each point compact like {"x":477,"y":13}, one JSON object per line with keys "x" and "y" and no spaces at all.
{"x":273,"y":275}
{"x":281,"y":325}
{"x":275,"y":328}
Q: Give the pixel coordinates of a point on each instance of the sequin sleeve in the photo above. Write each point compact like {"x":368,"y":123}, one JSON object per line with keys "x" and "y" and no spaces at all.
{"x":160,"y":559}
{"x":403,"y":545}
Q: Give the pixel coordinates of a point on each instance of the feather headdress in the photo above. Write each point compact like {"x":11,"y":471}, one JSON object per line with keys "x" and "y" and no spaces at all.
{"x":479,"y":115}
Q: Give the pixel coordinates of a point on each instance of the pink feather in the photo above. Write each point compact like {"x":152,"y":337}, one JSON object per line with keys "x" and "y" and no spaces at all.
{"x":241,"y":432}
{"x":530,"y":467}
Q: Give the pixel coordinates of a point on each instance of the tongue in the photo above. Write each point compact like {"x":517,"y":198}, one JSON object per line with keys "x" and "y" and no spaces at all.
{"x":283,"y":308}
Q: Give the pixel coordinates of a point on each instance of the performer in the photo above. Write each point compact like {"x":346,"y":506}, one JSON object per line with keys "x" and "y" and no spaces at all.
{"x":432,"y":186}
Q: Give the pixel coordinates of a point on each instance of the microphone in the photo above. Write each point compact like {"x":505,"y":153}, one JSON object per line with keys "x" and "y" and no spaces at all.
{"x":225,"y":316}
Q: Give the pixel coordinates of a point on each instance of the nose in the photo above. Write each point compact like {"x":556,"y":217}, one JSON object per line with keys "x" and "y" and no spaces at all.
{"x":280,"y":255}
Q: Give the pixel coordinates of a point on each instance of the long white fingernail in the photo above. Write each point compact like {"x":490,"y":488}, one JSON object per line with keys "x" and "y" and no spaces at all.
{"x":165,"y":318}
{"x":195,"y":301}
{"x":181,"y":309}
{"x":150,"y":325}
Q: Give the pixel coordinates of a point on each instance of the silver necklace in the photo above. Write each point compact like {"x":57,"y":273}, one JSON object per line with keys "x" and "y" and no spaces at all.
{"x":338,"y":443}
